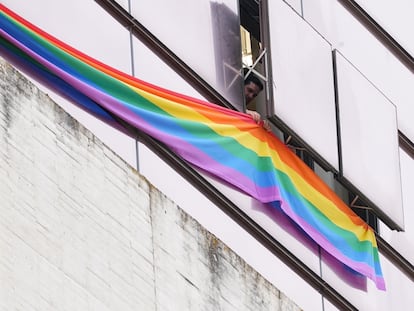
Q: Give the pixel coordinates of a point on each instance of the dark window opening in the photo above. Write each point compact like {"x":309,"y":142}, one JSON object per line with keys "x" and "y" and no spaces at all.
{"x":249,"y":17}
{"x":253,"y":52}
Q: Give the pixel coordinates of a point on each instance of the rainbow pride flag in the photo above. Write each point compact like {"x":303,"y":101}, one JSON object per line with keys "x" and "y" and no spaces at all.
{"x":223,"y":142}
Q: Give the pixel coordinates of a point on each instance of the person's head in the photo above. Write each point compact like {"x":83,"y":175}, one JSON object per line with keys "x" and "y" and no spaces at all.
{"x":252,"y":87}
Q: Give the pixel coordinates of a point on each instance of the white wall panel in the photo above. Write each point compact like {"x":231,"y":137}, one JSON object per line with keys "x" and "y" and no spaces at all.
{"x":398,"y":294}
{"x":204,"y":34}
{"x":296,"y":5}
{"x":148,"y":66}
{"x":327,"y":306}
{"x":369,"y":140}
{"x":403,"y":242}
{"x":81,"y":24}
{"x":396,"y":17}
{"x":366,"y":53}
{"x":303,"y":80}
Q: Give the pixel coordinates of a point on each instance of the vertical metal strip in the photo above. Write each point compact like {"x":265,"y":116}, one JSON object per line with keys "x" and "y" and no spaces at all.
{"x":265,"y":39}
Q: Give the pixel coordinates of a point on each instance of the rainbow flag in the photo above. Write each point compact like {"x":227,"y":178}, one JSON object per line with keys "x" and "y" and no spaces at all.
{"x":223,"y":142}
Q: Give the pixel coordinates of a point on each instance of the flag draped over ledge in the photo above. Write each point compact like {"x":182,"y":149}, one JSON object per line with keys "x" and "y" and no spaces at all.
{"x":223,"y":142}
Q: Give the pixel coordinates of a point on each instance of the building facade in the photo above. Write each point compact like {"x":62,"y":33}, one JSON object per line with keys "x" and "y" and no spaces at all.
{"x":82,"y":230}
{"x":337,"y":78}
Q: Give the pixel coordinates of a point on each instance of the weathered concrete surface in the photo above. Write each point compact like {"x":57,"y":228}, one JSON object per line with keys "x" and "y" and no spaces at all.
{"x":81,"y":230}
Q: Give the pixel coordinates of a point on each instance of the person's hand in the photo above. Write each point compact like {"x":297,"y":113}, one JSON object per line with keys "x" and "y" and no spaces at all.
{"x":256,"y":117}
{"x":266,"y":125}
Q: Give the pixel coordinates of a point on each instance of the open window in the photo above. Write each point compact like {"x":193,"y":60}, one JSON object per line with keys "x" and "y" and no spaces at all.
{"x":253,"y":51}
{"x":255,"y":43}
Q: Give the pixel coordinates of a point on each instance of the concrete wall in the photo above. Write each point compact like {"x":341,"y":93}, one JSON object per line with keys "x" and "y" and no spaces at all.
{"x":81,"y":230}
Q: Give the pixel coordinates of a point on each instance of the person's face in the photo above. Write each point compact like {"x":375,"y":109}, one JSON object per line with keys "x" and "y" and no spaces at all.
{"x":251,"y":90}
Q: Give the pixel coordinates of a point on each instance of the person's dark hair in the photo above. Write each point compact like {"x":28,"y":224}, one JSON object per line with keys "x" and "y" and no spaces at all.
{"x":252,"y":78}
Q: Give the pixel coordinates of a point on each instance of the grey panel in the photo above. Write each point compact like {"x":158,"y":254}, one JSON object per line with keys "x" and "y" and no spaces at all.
{"x":303,"y":80}
{"x":369,"y":140}
{"x":204,"y":34}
